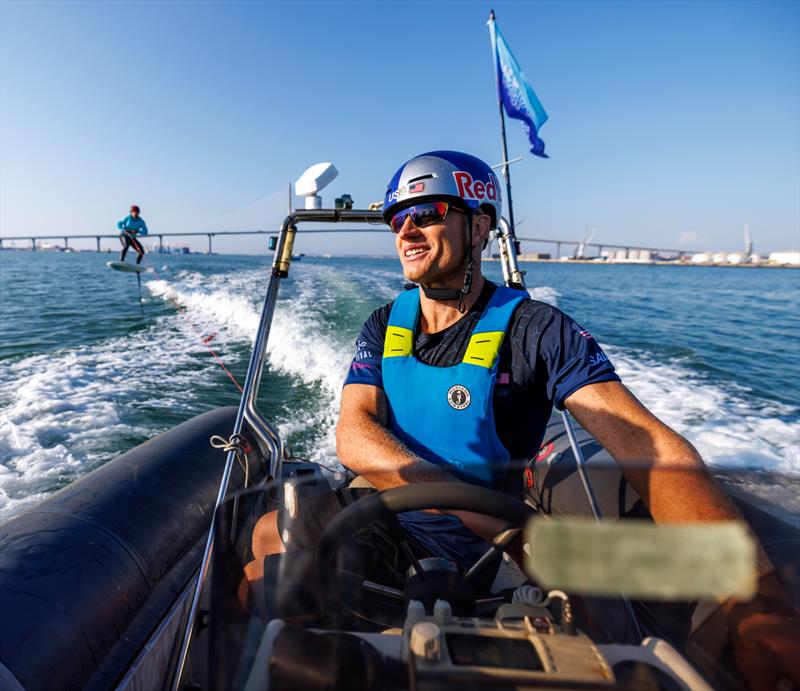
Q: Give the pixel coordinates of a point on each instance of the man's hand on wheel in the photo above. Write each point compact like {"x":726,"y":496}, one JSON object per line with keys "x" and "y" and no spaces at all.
{"x":765,"y":636}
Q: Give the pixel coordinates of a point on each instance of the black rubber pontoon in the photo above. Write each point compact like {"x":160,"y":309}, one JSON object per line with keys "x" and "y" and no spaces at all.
{"x":88,"y":576}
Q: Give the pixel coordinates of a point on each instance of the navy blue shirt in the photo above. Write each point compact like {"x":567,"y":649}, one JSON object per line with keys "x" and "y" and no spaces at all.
{"x":545,"y":357}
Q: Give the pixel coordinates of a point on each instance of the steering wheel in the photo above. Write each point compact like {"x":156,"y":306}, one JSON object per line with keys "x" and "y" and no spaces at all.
{"x":383,"y":506}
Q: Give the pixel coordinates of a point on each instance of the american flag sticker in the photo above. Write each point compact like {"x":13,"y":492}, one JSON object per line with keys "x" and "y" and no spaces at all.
{"x":416,"y":188}
{"x":503,"y":378}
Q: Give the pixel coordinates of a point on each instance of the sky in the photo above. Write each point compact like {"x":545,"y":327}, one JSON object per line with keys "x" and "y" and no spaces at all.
{"x":672,"y":124}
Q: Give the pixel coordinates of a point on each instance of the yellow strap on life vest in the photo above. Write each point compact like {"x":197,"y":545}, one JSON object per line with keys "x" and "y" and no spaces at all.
{"x":399,"y":342}
{"x":484,"y":348}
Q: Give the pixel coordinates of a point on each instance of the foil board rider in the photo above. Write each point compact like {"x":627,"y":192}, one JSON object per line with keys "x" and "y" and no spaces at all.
{"x":456,"y":379}
{"x":132,"y":227}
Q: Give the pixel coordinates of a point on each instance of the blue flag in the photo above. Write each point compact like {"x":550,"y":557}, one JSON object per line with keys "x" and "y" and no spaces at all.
{"x":518,"y":97}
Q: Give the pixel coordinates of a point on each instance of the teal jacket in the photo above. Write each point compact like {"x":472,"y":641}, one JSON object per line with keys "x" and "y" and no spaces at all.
{"x":134,"y":226}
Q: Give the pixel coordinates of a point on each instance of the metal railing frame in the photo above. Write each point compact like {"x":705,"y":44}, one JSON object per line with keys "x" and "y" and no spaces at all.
{"x":248,"y":406}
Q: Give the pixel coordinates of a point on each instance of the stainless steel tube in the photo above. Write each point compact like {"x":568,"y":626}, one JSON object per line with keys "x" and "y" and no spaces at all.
{"x":248,"y":408}
{"x":249,"y":393}
{"x":508,"y":254}
{"x":580,"y":464}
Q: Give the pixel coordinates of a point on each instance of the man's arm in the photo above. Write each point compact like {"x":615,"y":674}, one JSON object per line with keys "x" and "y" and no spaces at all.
{"x":664,"y":469}
{"x":368,"y":448}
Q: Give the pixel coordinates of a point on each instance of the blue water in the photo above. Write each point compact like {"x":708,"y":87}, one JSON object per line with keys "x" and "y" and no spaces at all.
{"x":86,"y":373}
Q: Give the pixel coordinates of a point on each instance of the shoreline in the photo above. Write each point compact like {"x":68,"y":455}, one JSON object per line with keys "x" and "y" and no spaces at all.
{"x":522,"y":259}
{"x":765,"y":265}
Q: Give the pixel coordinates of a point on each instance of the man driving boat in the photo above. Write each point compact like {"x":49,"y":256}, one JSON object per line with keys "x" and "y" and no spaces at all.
{"x":456,"y":379}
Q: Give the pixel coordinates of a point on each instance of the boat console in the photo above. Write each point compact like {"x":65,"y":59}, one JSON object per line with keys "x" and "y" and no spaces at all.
{"x":523,"y":646}
{"x":434,"y":629}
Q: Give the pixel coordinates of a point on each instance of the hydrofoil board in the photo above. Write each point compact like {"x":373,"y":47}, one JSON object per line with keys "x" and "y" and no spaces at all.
{"x":124,"y":266}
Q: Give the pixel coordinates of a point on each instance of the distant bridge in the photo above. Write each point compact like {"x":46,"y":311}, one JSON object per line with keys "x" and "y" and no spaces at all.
{"x":209,"y":234}
{"x":378,"y":229}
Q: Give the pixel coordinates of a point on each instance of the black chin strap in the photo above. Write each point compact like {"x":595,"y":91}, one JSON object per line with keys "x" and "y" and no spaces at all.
{"x":446,"y":294}
{"x":441,"y":293}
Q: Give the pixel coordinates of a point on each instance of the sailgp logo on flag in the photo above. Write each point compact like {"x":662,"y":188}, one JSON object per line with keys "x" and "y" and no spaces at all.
{"x":513,"y":89}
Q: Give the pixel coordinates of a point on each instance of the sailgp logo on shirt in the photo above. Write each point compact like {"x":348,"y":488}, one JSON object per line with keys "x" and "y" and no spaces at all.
{"x":458,"y":397}
{"x":362,"y":350}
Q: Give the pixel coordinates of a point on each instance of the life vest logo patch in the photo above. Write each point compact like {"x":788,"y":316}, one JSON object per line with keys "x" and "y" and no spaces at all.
{"x":458,"y":397}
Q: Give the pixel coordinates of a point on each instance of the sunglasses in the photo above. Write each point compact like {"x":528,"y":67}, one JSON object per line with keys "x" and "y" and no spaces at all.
{"x":422,"y":215}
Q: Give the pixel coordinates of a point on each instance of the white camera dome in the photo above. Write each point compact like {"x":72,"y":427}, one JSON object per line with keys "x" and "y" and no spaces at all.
{"x":313,"y":181}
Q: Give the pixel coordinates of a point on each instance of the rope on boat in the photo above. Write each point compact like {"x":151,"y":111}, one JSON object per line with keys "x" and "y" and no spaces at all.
{"x":205,"y":340}
{"x":238,"y":445}
{"x":528,"y":594}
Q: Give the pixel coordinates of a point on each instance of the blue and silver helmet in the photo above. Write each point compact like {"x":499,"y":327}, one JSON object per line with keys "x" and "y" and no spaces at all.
{"x":445,"y":175}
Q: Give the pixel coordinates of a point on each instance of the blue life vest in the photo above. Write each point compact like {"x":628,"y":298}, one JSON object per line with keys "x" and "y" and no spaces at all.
{"x":446,"y":414}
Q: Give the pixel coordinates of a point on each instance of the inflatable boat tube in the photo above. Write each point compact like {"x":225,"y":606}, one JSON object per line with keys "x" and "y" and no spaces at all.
{"x":87,"y":576}
{"x":554,"y":485}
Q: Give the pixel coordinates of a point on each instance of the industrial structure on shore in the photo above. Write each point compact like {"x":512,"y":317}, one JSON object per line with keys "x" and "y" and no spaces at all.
{"x":617,"y":254}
